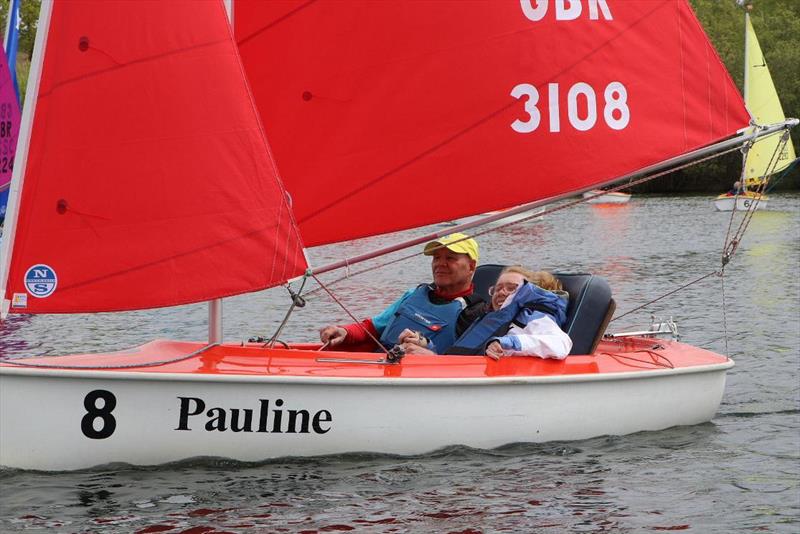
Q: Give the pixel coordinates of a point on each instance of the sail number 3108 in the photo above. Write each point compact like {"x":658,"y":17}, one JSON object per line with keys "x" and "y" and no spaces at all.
{"x":616,"y":113}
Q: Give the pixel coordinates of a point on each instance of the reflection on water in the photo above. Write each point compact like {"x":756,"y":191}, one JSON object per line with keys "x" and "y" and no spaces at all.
{"x":738,"y":474}
{"x":523,"y":237}
{"x":609,"y":222}
{"x":10,"y":343}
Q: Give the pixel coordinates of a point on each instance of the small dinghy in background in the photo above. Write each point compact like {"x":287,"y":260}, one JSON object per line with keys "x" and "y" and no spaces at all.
{"x":598,"y":196}
{"x":145,"y":179}
{"x":766,"y":156}
{"x":742,"y":202}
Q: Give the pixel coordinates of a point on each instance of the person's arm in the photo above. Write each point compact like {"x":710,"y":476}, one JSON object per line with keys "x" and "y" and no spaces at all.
{"x":541,"y":337}
{"x":356,"y":336}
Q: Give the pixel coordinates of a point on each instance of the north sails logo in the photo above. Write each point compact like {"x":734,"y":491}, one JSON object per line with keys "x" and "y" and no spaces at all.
{"x":422,"y":318}
{"x":41,"y":281}
{"x":425,"y":320}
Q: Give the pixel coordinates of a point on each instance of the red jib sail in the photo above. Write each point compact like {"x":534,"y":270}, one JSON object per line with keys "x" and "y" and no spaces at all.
{"x":149,"y":181}
{"x":390,"y":115}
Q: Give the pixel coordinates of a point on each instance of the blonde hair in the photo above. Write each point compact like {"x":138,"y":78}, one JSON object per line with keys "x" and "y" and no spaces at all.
{"x":543,"y":279}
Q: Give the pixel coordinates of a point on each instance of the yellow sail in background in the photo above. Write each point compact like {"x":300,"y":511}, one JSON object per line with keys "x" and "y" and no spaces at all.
{"x":765,"y":107}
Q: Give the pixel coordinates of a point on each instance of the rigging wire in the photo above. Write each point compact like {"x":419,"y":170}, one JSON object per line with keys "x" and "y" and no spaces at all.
{"x":353,"y":317}
{"x":646,"y":304}
{"x":728,"y":249}
{"x":784,"y":173}
{"x":731,"y":242}
{"x":297,"y":302}
{"x":548,"y":211}
{"x":724,"y":315}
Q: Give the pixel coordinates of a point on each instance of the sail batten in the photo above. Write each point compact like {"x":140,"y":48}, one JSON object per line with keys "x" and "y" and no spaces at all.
{"x":149,"y":181}
{"x":386,"y":116}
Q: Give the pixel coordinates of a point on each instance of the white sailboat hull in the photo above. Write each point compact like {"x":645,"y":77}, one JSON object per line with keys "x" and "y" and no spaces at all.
{"x":739,"y":203}
{"x":615,"y":197}
{"x":42,"y":411}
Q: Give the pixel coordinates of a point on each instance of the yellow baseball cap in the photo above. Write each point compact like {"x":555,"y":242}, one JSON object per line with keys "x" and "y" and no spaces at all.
{"x":460,"y":243}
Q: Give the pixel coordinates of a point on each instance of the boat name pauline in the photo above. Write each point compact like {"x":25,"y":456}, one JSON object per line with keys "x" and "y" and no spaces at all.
{"x":276,"y":421}
{"x":100,"y":422}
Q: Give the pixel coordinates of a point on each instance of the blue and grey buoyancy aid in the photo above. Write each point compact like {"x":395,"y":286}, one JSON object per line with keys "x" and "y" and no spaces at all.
{"x":530,"y":302}
{"x":437,"y":322}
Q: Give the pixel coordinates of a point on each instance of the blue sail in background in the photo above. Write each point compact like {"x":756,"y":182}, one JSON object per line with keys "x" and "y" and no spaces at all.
{"x":9,"y":105}
{"x":12,"y":43}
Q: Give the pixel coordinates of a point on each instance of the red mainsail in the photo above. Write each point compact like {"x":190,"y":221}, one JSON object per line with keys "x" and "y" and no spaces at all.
{"x":391,"y":115}
{"x":149,"y":181}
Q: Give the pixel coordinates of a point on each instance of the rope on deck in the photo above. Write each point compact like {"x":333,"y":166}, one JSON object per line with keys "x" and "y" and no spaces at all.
{"x":21,"y":361}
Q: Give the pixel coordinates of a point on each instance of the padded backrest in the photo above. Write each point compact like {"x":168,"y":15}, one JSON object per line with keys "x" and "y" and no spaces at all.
{"x":485,"y":276}
{"x":588,"y":312}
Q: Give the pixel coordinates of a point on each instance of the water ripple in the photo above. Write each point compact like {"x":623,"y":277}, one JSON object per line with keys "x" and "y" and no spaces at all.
{"x":739,"y":473}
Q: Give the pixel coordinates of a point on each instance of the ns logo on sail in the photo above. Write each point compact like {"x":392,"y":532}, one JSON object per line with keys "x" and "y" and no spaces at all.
{"x":41,"y":280}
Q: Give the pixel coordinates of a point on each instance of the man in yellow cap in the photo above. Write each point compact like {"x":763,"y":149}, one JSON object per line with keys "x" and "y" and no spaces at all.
{"x":437,"y":312}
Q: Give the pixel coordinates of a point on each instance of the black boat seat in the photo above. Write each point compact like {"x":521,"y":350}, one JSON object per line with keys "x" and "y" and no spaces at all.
{"x":590,"y":304}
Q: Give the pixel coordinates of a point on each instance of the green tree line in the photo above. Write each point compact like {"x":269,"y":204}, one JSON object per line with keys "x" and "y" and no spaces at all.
{"x":29,"y":16}
{"x":777,"y":26}
{"x":776,"y":22}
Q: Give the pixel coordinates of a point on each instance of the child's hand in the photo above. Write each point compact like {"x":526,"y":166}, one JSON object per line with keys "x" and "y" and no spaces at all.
{"x":494,"y":350}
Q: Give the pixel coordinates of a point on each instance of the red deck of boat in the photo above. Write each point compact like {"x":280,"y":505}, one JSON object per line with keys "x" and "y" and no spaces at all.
{"x":632,"y":354}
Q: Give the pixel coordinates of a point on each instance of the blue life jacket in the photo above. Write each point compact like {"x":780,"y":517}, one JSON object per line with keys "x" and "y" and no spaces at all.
{"x":530,"y":302}
{"x":437,"y":322}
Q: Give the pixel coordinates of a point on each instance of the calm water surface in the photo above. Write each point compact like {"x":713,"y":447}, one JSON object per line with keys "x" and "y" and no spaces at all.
{"x":739,"y":473}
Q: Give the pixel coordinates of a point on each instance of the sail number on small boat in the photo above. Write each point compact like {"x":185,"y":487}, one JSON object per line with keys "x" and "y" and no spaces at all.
{"x":8,"y":138}
{"x":615,"y":112}
{"x":99,"y":422}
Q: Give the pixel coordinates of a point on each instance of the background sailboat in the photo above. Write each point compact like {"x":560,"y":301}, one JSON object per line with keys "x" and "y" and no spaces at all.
{"x":598,"y":196}
{"x":766,"y":156}
{"x":9,"y":106}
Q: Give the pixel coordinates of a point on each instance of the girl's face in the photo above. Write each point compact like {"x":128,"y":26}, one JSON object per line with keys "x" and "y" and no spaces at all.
{"x":506,"y":284}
